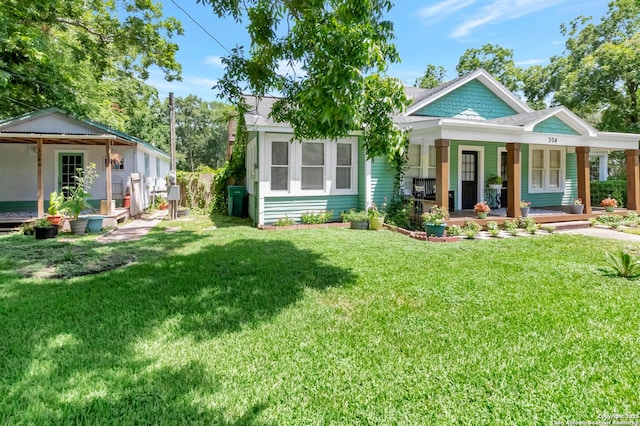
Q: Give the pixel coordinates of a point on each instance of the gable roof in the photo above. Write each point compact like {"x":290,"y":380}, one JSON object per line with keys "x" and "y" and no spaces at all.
{"x":529,"y":120}
{"x":60,"y":127}
{"x":259,"y":112}
{"x":424,"y":97}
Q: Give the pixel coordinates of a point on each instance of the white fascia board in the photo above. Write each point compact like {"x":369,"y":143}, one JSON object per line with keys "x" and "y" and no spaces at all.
{"x":567,"y":117}
{"x":54,"y":136}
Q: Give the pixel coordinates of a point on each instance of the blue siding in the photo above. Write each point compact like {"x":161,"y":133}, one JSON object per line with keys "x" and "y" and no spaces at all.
{"x":471,"y":101}
{"x":293,"y":207}
{"x":554,"y":125}
{"x":381,"y":181}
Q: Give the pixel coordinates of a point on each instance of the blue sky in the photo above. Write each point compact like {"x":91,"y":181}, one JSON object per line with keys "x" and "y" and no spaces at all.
{"x":427,"y":31}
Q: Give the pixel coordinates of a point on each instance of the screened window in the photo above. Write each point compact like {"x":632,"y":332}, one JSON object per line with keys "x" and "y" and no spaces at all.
{"x":312,"y":171}
{"x":279,"y":166}
{"x":343,"y":166}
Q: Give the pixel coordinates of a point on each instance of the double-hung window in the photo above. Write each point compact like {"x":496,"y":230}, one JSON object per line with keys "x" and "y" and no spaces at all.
{"x":546,"y":169}
{"x":344,"y":165}
{"x":279,"y":166}
{"x":312,"y":171}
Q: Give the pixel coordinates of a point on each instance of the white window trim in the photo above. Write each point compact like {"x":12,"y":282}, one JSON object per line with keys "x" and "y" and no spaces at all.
{"x":56,"y":164}
{"x":295,"y":168}
{"x":545,"y":175}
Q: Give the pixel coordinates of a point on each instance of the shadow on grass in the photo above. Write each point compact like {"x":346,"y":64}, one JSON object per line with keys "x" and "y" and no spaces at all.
{"x":78,"y":353}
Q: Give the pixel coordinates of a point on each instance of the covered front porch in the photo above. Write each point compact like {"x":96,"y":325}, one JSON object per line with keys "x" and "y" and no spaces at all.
{"x":578,"y":185}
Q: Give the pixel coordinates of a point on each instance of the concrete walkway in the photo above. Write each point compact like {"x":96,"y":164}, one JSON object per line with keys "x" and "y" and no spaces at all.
{"x":610,"y":234}
{"x":133,"y":230}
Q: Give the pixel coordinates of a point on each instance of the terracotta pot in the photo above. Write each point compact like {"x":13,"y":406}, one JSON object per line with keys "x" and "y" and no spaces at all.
{"x":54,"y":219}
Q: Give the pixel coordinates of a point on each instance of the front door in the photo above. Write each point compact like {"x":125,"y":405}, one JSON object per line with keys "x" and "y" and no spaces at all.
{"x":469,"y":179}
{"x":68,"y":163}
{"x":504,"y":200}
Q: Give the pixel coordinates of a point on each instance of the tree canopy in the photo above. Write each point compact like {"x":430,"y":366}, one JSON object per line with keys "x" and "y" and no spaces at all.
{"x":342,"y":47}
{"x":78,"y":54}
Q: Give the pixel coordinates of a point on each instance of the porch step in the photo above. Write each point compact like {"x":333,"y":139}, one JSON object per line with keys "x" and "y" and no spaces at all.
{"x":567,"y":226}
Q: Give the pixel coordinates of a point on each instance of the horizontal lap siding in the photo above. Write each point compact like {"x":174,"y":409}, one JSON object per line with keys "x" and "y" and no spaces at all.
{"x":382,"y":176}
{"x":292,"y":207}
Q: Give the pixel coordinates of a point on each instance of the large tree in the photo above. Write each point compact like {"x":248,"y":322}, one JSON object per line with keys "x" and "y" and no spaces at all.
{"x":599,"y":73}
{"x":201,"y":132}
{"x":67,"y":53}
{"x":433,"y":76}
{"x":497,"y":60}
{"x":343,"y":48}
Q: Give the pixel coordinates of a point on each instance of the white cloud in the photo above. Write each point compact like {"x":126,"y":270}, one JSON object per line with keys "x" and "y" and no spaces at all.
{"x":532,"y":62}
{"x":502,"y":10}
{"x":443,"y":9}
{"x":214,"y":60}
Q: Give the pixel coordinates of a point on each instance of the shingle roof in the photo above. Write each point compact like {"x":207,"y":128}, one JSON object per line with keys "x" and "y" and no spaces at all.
{"x":524,"y":118}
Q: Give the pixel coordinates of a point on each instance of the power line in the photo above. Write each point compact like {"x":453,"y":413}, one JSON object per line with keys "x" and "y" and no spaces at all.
{"x":201,"y":27}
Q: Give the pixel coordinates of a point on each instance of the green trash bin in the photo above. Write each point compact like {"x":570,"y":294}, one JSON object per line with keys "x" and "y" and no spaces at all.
{"x":236,"y":200}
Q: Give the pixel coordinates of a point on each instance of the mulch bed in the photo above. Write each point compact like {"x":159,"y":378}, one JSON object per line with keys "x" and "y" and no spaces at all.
{"x":421,"y":235}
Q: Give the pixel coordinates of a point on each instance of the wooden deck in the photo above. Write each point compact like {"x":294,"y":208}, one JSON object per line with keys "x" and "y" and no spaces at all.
{"x":9,"y":223}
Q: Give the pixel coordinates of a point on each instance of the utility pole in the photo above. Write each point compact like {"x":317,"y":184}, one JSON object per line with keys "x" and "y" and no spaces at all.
{"x":173,"y":204}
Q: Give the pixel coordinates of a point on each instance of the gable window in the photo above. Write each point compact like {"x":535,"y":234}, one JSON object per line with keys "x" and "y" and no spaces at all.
{"x":312,"y":172}
{"x":279,"y":166}
{"x":546,"y":171}
{"x":343,"y":166}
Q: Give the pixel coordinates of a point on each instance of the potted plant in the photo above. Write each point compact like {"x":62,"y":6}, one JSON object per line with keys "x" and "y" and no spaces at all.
{"x":524,"y":207}
{"x":609,"y":204}
{"x":161,"y":202}
{"x":495,"y":182}
{"x":376,"y":218}
{"x":77,"y":199}
{"x":434,"y":221}
{"x":44,"y":229}
{"x":56,"y":209}
{"x":358,"y":219}
{"x":577,"y":206}
{"x":482,"y":209}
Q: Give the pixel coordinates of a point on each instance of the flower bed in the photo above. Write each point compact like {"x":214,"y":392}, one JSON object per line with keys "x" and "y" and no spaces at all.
{"x":420,"y":235}
{"x":303,"y":226}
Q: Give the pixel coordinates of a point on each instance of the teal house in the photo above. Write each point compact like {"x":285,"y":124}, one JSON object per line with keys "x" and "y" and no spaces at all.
{"x":462,"y":132}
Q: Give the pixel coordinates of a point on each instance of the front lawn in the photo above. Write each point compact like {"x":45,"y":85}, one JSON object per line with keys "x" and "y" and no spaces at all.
{"x":227,"y":324}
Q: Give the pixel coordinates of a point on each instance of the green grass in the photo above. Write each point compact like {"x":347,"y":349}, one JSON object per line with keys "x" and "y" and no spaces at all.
{"x":232,"y":325}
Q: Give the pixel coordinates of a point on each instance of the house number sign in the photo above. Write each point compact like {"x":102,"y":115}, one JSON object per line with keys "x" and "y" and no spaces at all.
{"x":553,"y":139}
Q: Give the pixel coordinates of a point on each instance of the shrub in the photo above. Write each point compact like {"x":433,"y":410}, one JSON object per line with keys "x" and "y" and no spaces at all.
{"x":284,"y":221}
{"x":311,"y":218}
{"x":492,"y":225}
{"x":532,"y":228}
{"x":494,"y":232}
{"x":355,"y":216}
{"x":397,"y":213}
{"x":549,"y":228}
{"x":454,"y":231}
{"x":611,"y":188}
{"x":525,"y":222}
{"x":471,"y":229}
{"x":509,"y":225}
